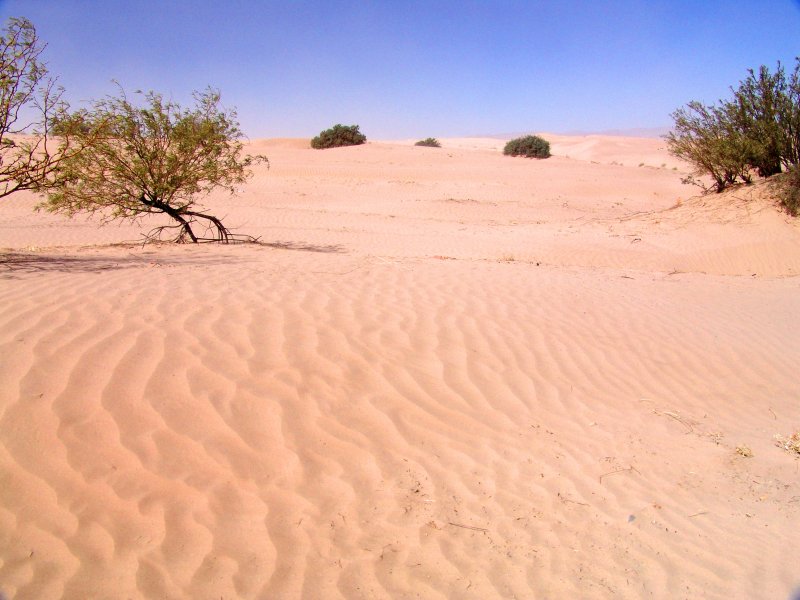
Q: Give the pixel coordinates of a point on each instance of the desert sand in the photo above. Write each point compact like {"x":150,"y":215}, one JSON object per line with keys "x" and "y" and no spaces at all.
{"x":444,"y":373}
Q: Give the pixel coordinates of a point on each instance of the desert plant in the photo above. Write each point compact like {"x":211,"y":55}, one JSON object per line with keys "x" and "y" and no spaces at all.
{"x":754,"y":115}
{"x":29,"y":101}
{"x":156,"y":158}
{"x":705,"y":137}
{"x":530,"y":146}
{"x":338,"y":135}
{"x":787,"y":189}
{"x":757,"y":130}
{"x":791,"y":443}
{"x":789,"y":118}
{"x":430,"y":142}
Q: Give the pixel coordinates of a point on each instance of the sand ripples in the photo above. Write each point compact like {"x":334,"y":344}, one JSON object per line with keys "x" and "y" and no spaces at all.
{"x":398,"y":431}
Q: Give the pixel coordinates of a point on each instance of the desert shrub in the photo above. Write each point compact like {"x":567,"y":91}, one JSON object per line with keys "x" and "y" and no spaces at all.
{"x":431,"y":142}
{"x":530,"y":146}
{"x":706,"y":137}
{"x":754,"y":114}
{"x":787,"y":187}
{"x":756,"y":131}
{"x":339,"y":135}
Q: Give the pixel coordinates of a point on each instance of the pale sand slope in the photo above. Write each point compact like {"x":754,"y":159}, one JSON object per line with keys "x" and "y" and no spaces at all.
{"x":381,"y":403}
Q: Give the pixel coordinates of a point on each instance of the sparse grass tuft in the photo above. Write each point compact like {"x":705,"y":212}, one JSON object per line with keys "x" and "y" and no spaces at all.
{"x":743,"y":450}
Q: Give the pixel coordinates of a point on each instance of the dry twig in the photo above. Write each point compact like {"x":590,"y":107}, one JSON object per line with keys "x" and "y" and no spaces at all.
{"x":629,"y":468}
{"x":565,"y":499}
{"x":467,"y":526}
{"x":677,"y":417}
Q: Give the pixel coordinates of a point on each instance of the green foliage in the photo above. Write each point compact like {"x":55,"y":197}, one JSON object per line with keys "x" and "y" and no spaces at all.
{"x":530,"y":146}
{"x":339,"y":135}
{"x":431,"y":142}
{"x":157,"y":158}
{"x":755,"y":115}
{"x":787,"y":186}
{"x":705,"y":137}
{"x":757,"y":130}
{"x":26,"y":91}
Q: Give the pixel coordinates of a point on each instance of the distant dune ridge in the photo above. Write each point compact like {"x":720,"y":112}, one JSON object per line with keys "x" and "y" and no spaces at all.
{"x":445,"y":373}
{"x":637,"y":132}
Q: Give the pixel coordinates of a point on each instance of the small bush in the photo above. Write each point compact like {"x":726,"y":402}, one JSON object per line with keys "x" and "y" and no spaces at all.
{"x":431,"y":142}
{"x":339,"y":135}
{"x":787,"y":186}
{"x":530,"y":146}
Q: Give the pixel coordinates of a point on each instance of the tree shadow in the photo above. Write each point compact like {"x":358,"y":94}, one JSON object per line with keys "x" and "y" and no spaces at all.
{"x":19,"y":262}
{"x":13,"y":263}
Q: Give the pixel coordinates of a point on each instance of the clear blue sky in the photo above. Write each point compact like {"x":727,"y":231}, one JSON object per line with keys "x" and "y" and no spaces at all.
{"x":418,"y":68}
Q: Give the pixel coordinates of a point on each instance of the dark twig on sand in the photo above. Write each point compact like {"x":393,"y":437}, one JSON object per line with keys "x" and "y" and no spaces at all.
{"x":630,"y":468}
{"x":672,"y":415}
{"x":467,"y":526}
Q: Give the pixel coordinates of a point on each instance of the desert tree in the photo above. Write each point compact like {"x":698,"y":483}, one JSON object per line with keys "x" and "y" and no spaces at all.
{"x":705,"y":137}
{"x":30,"y":102}
{"x":151,"y":159}
{"x":756,"y":106}
{"x":789,"y":118}
{"x":756,"y":131}
{"x":771,"y":104}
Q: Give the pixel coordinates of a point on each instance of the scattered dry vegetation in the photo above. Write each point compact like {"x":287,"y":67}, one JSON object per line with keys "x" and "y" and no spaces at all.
{"x":790,"y":443}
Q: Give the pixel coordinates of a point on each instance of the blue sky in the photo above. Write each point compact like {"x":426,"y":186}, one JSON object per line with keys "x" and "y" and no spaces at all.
{"x":417,"y":68}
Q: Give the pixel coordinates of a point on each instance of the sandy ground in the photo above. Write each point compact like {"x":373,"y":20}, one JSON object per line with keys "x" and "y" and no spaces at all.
{"x":445,"y":373}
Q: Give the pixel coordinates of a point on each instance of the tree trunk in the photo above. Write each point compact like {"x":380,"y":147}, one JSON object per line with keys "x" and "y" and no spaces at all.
{"x":185,"y":218}
{"x":184,"y":224}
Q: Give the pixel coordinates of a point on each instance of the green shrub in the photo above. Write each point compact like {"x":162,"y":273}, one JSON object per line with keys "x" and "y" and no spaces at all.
{"x":756,"y":131}
{"x":787,"y":186}
{"x":339,"y":135}
{"x":530,"y":146}
{"x":431,"y":142}
{"x":706,"y":137}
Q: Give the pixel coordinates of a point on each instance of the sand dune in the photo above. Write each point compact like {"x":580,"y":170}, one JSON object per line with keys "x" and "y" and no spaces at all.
{"x":445,"y":374}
